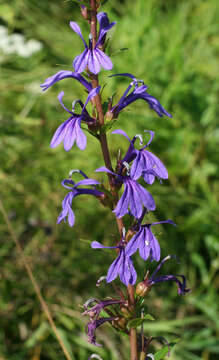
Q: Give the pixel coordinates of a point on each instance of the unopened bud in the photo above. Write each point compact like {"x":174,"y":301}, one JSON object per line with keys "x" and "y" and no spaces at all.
{"x":105,"y":200}
{"x":127,"y":311}
{"x":109,"y":115}
{"x":119,"y":323}
{"x":142,"y":289}
{"x":129,"y":234}
{"x":85,"y":13}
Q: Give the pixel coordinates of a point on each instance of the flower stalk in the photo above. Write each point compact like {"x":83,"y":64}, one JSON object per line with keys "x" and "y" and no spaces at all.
{"x":135,"y":202}
{"x":107,"y":160}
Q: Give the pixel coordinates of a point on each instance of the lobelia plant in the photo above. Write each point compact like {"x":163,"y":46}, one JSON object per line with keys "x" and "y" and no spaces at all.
{"x":125,"y":312}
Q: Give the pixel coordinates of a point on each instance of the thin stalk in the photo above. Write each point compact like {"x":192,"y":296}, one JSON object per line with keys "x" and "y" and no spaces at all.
{"x":142,"y":355}
{"x":107,"y":160}
{"x":133,"y":331}
{"x":33,"y":281}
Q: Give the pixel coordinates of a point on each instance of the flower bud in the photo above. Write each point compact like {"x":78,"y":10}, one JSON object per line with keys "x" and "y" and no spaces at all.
{"x":142,"y":289}
{"x":129,"y":234}
{"x":109,"y":116}
{"x":127,"y":310}
{"x":119,"y":323}
{"x":85,"y":13}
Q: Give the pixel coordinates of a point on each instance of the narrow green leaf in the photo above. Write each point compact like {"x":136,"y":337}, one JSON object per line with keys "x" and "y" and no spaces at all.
{"x":38,"y":335}
{"x":137,"y":322}
{"x":66,"y":342}
{"x":108,"y":126}
{"x":159,"y":355}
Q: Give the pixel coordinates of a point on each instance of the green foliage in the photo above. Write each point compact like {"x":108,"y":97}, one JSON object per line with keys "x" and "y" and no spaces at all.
{"x":173,"y":46}
{"x":139,"y":321}
{"x":161,"y":354}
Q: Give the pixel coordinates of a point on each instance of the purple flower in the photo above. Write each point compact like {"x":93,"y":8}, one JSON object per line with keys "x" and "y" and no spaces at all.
{"x":95,"y":310}
{"x":122,"y":266}
{"x":81,"y":5}
{"x":70,"y":131}
{"x":182,"y":290}
{"x":139,"y":92}
{"x":94,"y":58}
{"x":134,"y":196}
{"x":105,"y":26}
{"x":145,"y":163}
{"x":145,"y":241}
{"x":63,"y":74}
{"x":92,"y":326}
{"x":76,"y":190}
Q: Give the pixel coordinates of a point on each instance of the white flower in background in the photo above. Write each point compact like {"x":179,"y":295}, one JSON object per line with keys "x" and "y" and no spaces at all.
{"x":17,"y":44}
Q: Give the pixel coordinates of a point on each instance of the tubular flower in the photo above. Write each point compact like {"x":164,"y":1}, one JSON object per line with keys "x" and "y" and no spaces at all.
{"x":139,"y":92}
{"x":76,"y":190}
{"x":145,"y":242}
{"x":70,"y":131}
{"x":134,"y":197}
{"x":93,"y":58}
{"x":181,"y":284}
{"x":145,"y":163}
{"x":122,"y":266}
{"x":105,"y":26}
{"x":95,"y":310}
{"x":92,"y":326}
{"x":64,"y":74}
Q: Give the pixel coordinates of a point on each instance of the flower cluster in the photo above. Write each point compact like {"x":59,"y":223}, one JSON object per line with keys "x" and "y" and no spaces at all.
{"x":136,"y":164}
{"x":133,"y":173}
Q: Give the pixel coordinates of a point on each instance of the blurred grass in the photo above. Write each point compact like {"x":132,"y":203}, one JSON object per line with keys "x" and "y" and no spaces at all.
{"x":173,"y":46}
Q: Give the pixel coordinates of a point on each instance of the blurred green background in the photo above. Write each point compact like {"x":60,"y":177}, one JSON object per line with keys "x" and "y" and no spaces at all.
{"x":173,"y":45}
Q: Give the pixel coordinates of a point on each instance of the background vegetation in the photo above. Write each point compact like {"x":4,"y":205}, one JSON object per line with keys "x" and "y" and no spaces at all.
{"x":173,"y":45}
